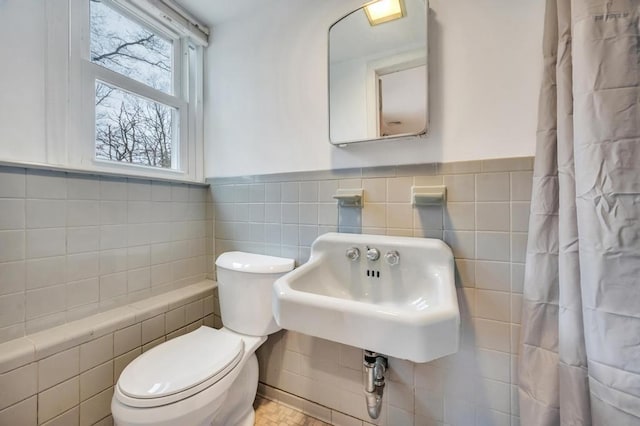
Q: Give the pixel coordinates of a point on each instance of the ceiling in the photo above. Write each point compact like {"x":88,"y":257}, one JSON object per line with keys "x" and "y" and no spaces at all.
{"x":215,"y":12}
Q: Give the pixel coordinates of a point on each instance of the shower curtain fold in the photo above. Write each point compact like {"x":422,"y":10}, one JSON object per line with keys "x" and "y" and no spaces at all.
{"x":579,"y":362}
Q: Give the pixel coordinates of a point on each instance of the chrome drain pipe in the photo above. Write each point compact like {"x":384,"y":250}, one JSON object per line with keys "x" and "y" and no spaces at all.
{"x":375,"y":365}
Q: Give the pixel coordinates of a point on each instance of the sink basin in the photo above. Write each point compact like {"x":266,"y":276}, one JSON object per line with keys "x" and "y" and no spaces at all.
{"x":407,"y":310}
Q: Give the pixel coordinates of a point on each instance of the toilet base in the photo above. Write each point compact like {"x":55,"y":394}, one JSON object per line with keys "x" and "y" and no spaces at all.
{"x":233,"y":407}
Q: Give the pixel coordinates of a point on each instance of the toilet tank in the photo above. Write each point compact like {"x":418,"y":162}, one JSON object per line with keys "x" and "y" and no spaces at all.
{"x":245,"y":285}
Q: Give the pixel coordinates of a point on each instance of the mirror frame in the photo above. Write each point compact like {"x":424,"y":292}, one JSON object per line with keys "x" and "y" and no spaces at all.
{"x":421,"y":133}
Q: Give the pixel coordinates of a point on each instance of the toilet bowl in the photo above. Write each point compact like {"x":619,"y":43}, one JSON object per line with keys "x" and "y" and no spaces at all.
{"x":208,"y":376}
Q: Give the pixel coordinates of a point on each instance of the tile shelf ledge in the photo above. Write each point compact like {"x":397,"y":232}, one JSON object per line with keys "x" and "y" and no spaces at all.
{"x":88,"y":172}
{"x":34,"y":347}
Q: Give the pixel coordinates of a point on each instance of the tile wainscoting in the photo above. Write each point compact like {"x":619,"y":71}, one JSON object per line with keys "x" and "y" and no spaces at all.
{"x":65,"y":375}
{"x":72,"y":245}
{"x":485,"y":221}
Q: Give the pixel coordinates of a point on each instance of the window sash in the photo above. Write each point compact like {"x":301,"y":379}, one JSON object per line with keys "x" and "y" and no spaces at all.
{"x":180,"y":144}
{"x":80,"y":150}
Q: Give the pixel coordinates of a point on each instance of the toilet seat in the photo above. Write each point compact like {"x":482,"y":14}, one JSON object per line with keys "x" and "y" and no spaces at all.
{"x":179,"y":368}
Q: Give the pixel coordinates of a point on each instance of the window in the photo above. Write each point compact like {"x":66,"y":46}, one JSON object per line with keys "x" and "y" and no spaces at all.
{"x":141,"y":88}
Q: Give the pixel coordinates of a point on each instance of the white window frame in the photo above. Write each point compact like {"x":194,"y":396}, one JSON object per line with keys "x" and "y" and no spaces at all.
{"x":83,"y":74}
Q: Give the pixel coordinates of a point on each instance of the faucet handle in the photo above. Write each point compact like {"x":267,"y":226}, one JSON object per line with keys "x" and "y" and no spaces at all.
{"x":392,"y":257}
{"x":353,"y":254}
{"x":373,"y":254}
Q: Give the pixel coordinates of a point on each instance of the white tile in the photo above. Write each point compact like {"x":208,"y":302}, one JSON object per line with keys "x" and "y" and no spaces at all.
{"x":492,"y":335}
{"x":460,"y":187}
{"x":459,"y":412}
{"x":493,"y":217}
{"x":127,"y":339}
{"x":161,"y":274}
{"x":12,"y":182}
{"x":138,"y":190}
{"x":23,"y":383}
{"x":492,"y":246}
{"x":492,"y":187}
{"x":138,"y":257}
{"x":46,"y":242}
{"x":153,"y":328}
{"x":492,"y":275}
{"x":493,"y":394}
{"x":138,"y":279}
{"x":160,"y":191}
{"x":82,"y":266}
{"x":487,"y":417}
{"x":520,"y":217}
{"x":83,"y":213}
{"x":119,"y":363}
{"x":12,"y":309}
{"x":495,"y":305}
{"x":517,"y":277}
{"x":375,"y":190}
{"x":96,"y":352}
{"x":113,"y":188}
{"x":83,"y":187}
{"x":12,"y":245}
{"x":462,"y":243}
{"x":179,"y":192}
{"x":174,"y":319}
{"x":96,"y":380}
{"x":71,"y":417}
{"x":428,"y":405}
{"x":138,"y":211}
{"x":521,"y":183}
{"x":46,"y":213}
{"x":400,"y":395}
{"x":12,"y":214}
{"x":113,"y":285}
{"x":58,"y":399}
{"x":399,"y":189}
{"x":113,"y":236}
{"x":96,"y":408}
{"x":13,"y":277}
{"x":24,"y":413}
{"x":399,"y":417}
{"x":46,"y":184}
{"x":83,"y":239}
{"x":113,"y":212}
{"x":399,"y":216}
{"x":113,"y":261}
{"x":45,"y":322}
{"x":58,"y":368}
{"x":459,"y":216}
{"x":494,"y":365}
{"x":516,"y":308}
{"x":44,"y":301}
{"x":518,"y":247}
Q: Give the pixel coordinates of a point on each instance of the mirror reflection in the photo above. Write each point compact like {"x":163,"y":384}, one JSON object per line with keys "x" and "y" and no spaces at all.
{"x":378,"y":72}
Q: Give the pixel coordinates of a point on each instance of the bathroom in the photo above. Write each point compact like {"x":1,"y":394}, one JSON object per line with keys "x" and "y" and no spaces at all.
{"x":529,"y":130}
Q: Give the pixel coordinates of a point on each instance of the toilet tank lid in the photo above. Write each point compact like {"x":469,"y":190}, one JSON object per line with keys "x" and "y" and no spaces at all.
{"x":254,"y":263}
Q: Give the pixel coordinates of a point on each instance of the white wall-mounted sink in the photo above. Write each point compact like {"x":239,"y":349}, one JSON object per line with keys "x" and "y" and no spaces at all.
{"x":407,"y":310}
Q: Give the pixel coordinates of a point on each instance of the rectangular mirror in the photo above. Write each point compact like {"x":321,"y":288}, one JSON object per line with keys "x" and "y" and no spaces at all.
{"x":378,"y":72}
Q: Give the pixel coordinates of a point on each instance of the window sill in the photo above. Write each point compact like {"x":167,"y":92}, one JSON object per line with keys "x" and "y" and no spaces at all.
{"x":145,"y":174}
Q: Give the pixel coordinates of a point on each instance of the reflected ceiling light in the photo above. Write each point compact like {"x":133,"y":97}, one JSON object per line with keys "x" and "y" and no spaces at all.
{"x":384,"y":11}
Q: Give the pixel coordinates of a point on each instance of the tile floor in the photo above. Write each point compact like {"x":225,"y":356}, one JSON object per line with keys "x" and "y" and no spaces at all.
{"x":271,"y":413}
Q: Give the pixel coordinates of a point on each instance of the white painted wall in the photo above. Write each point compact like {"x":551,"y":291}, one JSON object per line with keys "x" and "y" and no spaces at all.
{"x":266,"y":96}
{"x":22,"y":79}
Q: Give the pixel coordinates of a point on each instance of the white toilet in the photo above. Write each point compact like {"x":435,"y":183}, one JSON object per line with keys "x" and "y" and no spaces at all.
{"x":208,"y":376}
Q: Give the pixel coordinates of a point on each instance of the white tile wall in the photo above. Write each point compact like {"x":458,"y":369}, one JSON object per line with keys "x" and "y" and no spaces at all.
{"x":485,"y":221}
{"x":73,"y":245}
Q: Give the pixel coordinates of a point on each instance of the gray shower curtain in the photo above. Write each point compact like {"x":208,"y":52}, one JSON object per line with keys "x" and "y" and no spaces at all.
{"x":579,"y":361}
